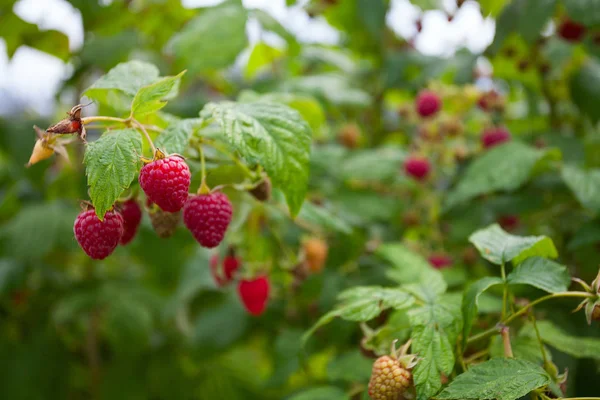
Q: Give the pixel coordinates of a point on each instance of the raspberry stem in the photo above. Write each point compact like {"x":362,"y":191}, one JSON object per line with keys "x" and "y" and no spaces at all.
{"x":145,"y":132}
{"x":235,"y":159}
{"x":204,"y":189}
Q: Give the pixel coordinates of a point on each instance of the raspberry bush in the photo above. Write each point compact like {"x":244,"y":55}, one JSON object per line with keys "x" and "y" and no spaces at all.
{"x":219,"y":209}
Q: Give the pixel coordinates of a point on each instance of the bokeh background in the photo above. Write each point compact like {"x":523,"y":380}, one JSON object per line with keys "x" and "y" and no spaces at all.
{"x":149,"y":322}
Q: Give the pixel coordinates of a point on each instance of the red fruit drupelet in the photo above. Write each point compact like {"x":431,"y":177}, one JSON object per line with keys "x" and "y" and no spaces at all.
{"x":509,"y":222}
{"x":494,"y":136}
{"x":254,"y":294}
{"x":132,"y":215}
{"x":229,"y":266}
{"x":571,"y":31}
{"x":439,"y":261}
{"x":98,"y":238}
{"x":428,"y":103}
{"x":417,"y":167}
{"x":166,"y":182}
{"x":207,"y":216}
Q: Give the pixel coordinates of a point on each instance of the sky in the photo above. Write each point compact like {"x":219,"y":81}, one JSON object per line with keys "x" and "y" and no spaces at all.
{"x":24,"y":83}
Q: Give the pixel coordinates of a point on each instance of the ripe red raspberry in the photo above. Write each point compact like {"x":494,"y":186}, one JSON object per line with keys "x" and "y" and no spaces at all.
{"x":254,"y":294}
{"x":166,"y":182}
{"x":428,"y":103}
{"x":207,"y":216}
{"x":571,"y":31}
{"x":494,"y":136}
{"x":417,"y":167}
{"x":98,"y":238}
{"x":132,"y":215}
{"x":225,"y":274}
{"x":389,"y":380}
{"x":439,"y":260}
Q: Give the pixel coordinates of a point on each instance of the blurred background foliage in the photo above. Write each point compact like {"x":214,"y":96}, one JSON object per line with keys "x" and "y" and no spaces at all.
{"x":149,"y":321}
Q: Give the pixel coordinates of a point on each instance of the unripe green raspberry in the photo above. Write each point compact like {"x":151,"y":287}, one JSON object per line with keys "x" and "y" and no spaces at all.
{"x":389,"y":380}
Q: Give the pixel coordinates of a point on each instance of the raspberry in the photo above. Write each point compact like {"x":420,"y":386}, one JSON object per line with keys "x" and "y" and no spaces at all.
{"x":315,"y":251}
{"x":417,"y":167}
{"x":207,"y":216}
{"x":98,"y":238}
{"x":428,"y":103}
{"x":254,"y":294}
{"x":571,"y":31}
{"x":439,"y":261}
{"x":491,"y":101}
{"x":166,"y":182}
{"x":494,"y":136}
{"x":225,"y":274}
{"x":165,"y":223}
{"x":132,"y":215}
{"x":389,"y":380}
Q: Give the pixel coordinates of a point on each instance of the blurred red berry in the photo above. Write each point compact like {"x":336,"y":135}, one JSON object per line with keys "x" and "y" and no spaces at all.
{"x":494,"y":136}
{"x":254,"y":294}
{"x":439,"y":261}
{"x":417,"y":167}
{"x":571,"y":31}
{"x":229,"y":266}
{"x":132,"y":215}
{"x":509,"y":222}
{"x":428,"y":103}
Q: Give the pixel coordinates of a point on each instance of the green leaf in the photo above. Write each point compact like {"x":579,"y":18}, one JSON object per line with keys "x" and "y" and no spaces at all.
{"x":585,"y":11}
{"x":272,"y":135}
{"x":503,"y":168}
{"x":152,"y":97}
{"x":498,"y":378}
{"x":470,"y":302}
{"x":541,"y":273}
{"x":213,"y":39}
{"x":321,"y":393}
{"x":585,"y":185}
{"x":523,"y":347}
{"x":408,"y":266}
{"x":587,"y":234}
{"x":334,"y":88}
{"x":363,"y":303}
{"x":498,"y":246}
{"x":350,"y":367}
{"x":585,"y":88}
{"x":577,"y":346}
{"x":176,"y":136}
{"x":533,"y":16}
{"x":372,"y":15}
{"x":111,"y":164}
{"x":323,"y":217}
{"x":380,"y":164}
{"x":37,"y":230}
{"x":435,"y":330}
{"x":492,"y":7}
{"x":126,"y":78}
{"x":271,"y":24}
{"x":261,"y":56}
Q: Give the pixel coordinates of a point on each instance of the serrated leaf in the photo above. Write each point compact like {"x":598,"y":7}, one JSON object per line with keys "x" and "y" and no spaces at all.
{"x":213,"y":39}
{"x":176,"y":136}
{"x":153,"y":97}
{"x":470,"y":302}
{"x":498,"y":246}
{"x":322,"y":216}
{"x":363,"y":303}
{"x":126,"y":78}
{"x":111,"y":165}
{"x":408,"y":266}
{"x":503,"y":168}
{"x":435,"y":330}
{"x":552,"y":335}
{"x":321,"y":393}
{"x":541,"y":273}
{"x":585,"y":86}
{"x":496,"y":379}
{"x":585,"y":185}
{"x":585,"y":11}
{"x":272,"y":135}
